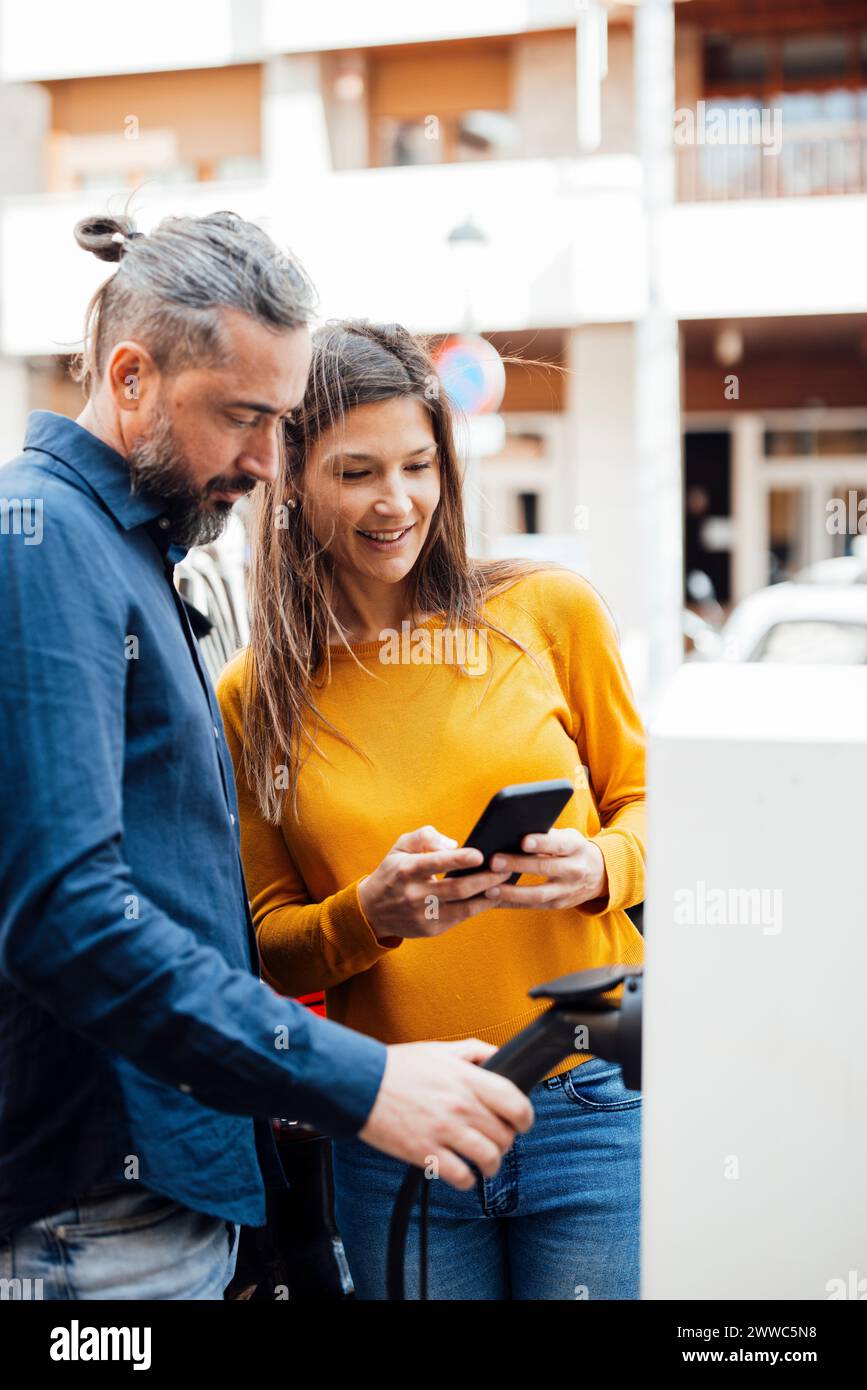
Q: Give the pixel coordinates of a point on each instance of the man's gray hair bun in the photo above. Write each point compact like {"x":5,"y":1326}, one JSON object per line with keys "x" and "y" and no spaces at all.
{"x":106,"y":238}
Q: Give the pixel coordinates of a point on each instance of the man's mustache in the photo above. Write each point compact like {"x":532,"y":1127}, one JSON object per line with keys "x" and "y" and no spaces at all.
{"x":244,"y":484}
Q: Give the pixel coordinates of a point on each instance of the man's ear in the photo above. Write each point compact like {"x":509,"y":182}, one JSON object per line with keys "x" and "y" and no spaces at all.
{"x":131,"y":375}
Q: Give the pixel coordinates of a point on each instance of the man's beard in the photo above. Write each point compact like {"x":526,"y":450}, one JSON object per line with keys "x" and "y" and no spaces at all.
{"x":157,"y":465}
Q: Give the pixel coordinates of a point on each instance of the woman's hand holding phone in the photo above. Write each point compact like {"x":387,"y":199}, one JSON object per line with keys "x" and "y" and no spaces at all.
{"x":573,"y":866}
{"x":403,"y":898}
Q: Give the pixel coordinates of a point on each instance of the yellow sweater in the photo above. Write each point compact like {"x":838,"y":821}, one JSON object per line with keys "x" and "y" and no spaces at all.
{"x":439,"y":745}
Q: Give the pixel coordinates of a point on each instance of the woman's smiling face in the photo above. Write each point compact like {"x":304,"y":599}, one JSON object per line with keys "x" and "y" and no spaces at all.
{"x":371,"y":485}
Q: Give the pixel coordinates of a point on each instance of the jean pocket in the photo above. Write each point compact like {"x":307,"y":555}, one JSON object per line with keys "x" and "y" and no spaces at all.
{"x":598,"y":1085}
{"x":114,"y":1213}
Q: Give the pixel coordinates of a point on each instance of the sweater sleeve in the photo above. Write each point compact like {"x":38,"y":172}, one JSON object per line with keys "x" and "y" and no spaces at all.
{"x":607,"y":729}
{"x":303,"y":946}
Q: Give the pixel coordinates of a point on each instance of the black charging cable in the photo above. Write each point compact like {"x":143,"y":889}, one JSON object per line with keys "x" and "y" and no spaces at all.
{"x":609,"y":1029}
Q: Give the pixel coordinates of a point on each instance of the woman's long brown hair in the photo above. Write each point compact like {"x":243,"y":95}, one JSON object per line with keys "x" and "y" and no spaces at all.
{"x":354,"y":363}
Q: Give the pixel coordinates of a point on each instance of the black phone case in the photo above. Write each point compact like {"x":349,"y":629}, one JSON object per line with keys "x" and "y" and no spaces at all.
{"x":526,"y":808}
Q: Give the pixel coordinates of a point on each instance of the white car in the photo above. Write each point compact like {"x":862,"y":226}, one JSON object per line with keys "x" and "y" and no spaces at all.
{"x":846,"y":569}
{"x":819,"y":621}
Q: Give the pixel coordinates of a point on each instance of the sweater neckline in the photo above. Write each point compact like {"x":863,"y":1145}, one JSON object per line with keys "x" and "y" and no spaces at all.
{"x":338,"y":651}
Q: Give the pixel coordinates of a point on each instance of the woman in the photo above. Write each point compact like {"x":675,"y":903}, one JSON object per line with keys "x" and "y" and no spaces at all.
{"x":391,"y":687}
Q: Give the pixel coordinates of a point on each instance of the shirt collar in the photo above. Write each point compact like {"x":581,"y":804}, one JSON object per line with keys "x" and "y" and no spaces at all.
{"x":104,"y":470}
{"x":172,"y":554}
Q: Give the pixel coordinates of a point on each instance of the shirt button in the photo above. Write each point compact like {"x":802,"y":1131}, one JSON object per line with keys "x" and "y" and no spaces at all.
{"x":185,"y":1088}
{"x":164,"y":523}
{"x":216,"y":731}
{"x":231,"y":818}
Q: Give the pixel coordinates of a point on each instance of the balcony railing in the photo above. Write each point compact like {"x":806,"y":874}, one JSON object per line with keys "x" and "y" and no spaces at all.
{"x":811,"y":161}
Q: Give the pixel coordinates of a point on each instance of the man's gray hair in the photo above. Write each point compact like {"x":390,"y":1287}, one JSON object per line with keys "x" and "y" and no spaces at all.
{"x":171,"y":285}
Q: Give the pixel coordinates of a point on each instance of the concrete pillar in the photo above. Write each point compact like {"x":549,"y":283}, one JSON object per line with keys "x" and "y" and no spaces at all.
{"x":294,"y":129}
{"x":601,"y":450}
{"x":344,"y":78}
{"x":657,"y":369}
{"x":749,"y":508}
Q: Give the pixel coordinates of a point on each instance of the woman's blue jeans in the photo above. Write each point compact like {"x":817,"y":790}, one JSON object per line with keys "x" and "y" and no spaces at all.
{"x":560,"y":1220}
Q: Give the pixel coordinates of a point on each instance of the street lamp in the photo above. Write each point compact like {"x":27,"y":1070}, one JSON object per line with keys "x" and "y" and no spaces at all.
{"x":466,"y":243}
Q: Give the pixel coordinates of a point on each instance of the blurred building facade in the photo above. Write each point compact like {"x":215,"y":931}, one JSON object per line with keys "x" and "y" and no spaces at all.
{"x":365,"y":136}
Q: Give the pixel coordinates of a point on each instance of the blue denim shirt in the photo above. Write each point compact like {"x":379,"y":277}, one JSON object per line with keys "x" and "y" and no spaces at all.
{"x":136,"y":1037}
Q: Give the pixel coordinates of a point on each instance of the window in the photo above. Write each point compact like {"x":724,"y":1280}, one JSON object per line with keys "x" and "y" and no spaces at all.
{"x":808,"y":442}
{"x":408,"y":142}
{"x":450,"y":103}
{"x":810,"y":56}
{"x":789,"y":538}
{"x":741,"y":60}
{"x":435,"y":140}
{"x":796,"y":60}
{"x":484,"y":135}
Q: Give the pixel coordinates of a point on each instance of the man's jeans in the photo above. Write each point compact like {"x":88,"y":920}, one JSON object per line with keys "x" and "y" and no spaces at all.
{"x":560,"y":1220}
{"x":120,"y":1241}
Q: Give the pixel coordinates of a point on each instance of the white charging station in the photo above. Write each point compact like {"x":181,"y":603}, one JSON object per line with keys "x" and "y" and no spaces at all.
{"x":754,"y":1180}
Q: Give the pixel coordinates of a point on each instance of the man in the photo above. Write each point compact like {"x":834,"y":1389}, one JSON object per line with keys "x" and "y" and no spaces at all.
{"x":140,"y":1054}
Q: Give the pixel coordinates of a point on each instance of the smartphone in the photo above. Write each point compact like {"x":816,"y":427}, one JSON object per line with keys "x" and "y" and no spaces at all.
{"x":525,"y":809}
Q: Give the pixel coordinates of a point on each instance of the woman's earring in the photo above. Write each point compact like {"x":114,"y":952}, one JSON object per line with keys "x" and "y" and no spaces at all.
{"x":291,"y":502}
